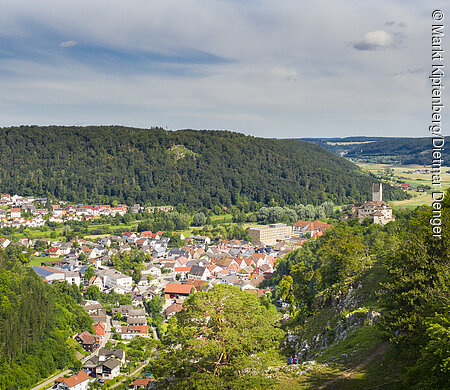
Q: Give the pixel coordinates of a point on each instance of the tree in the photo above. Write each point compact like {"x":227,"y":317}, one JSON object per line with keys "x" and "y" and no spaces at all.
{"x":154,"y":307}
{"x":221,"y":340}
{"x":342,"y":254}
{"x":92,"y":293}
{"x":416,"y":295}
{"x":328,"y":207}
{"x":199,"y":219}
{"x":89,"y":273}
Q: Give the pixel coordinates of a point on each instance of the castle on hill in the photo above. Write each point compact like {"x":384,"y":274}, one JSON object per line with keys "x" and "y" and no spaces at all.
{"x":377,"y":210}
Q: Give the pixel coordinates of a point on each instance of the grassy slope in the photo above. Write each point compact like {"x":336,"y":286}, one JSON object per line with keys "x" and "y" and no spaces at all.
{"x":363,"y":360}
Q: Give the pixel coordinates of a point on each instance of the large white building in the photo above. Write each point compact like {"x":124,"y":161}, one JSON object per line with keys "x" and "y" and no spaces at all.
{"x":270,"y":235}
{"x":115,"y":279}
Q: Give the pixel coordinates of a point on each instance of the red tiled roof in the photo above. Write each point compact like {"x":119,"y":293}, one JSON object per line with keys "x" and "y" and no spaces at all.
{"x":182,"y":269}
{"x":87,"y":338}
{"x":75,"y":379}
{"x":198,"y":284}
{"x":141,"y":382}
{"x":175,"y":288}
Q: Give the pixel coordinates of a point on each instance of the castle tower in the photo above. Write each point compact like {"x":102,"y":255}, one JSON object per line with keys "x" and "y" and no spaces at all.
{"x":377,"y":192}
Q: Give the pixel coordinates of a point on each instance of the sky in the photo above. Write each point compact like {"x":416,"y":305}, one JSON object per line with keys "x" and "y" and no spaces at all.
{"x":284,"y":69}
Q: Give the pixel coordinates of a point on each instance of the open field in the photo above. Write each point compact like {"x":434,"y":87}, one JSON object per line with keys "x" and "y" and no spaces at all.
{"x":414,"y":179}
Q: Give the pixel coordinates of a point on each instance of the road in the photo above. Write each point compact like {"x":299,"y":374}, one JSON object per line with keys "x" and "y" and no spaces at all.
{"x":132,"y":373}
{"x":104,"y":340}
{"x":142,"y":365}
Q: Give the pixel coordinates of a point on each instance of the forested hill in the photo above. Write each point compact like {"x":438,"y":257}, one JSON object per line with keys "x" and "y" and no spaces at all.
{"x":195,"y":168}
{"x":382,"y":150}
{"x":36,"y":319}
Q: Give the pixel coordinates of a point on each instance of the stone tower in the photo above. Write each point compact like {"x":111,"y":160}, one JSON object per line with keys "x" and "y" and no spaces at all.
{"x":377,"y":192}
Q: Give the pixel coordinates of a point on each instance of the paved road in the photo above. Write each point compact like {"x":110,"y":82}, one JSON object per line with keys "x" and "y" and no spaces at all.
{"x":105,"y":339}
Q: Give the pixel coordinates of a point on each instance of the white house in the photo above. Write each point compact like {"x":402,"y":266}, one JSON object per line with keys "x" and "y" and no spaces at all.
{"x":113,"y":278}
{"x":78,"y":381}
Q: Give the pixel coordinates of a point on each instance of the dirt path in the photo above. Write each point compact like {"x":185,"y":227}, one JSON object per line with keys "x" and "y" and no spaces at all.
{"x":379,"y":350}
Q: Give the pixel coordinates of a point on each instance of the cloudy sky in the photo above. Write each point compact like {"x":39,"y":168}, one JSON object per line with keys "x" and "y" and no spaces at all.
{"x":268,"y":68}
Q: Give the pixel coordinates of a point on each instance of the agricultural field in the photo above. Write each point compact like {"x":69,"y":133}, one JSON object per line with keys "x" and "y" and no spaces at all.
{"x":415,"y":179}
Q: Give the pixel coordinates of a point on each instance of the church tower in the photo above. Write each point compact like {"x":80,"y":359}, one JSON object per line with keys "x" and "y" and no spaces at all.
{"x":377,"y":192}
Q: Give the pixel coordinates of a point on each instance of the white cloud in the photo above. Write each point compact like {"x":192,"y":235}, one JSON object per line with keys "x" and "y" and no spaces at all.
{"x":375,"y":40}
{"x":68,"y":43}
{"x":294,"y":70}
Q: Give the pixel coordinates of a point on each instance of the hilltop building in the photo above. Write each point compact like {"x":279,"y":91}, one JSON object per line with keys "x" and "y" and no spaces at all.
{"x":377,"y":210}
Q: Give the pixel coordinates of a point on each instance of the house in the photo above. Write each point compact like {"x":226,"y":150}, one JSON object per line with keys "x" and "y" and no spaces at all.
{"x":99,"y":328}
{"x":200,"y":273}
{"x":137,"y":299}
{"x":310,"y":228}
{"x":105,"y":353}
{"x":124,"y":310}
{"x":113,"y":278}
{"x":54,"y":252}
{"x":49,"y":274}
{"x":92,"y":308}
{"x":201,"y":239}
{"x":175,"y":290}
{"x":180,"y":273}
{"x":87,"y":340}
{"x":199,"y":285}
{"x":132,"y":321}
{"x":108,"y":369}
{"x":15,"y":213}
{"x":140,"y":384}
{"x":96,"y":281}
{"x":4,"y":242}
{"x":72,"y":277}
{"x":90,"y":365}
{"x":132,"y":331}
{"x":78,"y":381}
{"x":173,"y":309}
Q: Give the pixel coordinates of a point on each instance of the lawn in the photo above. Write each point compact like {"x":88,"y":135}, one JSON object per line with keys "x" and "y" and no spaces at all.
{"x":414,"y":179}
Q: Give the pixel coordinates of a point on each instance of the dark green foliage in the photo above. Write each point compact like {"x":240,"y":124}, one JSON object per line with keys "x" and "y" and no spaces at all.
{"x":102,"y":164}
{"x":222,"y":340}
{"x":416,"y":298}
{"x":154,"y":307}
{"x":199,"y":219}
{"x":35,"y":321}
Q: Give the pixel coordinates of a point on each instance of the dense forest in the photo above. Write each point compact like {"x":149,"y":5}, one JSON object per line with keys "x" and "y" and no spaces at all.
{"x":382,"y":150}
{"x":186,"y":167}
{"x":36,"y":319}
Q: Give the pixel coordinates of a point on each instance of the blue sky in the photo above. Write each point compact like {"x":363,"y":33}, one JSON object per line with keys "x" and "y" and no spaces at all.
{"x":272,"y":69}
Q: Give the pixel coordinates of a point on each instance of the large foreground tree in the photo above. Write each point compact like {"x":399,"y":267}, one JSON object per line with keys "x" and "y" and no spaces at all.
{"x":223,"y":339}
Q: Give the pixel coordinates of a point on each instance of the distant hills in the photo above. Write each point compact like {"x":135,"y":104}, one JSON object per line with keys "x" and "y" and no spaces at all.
{"x":382,"y":150}
{"x":192,"y":168}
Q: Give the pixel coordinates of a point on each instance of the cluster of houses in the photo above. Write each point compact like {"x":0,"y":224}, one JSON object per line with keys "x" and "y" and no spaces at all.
{"x":81,"y":379}
{"x":409,"y":187}
{"x":170,"y":272}
{"x":12,"y":207}
{"x":104,"y":366}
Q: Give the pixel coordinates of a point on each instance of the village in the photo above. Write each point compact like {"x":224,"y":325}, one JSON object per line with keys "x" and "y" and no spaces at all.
{"x":170,"y":274}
